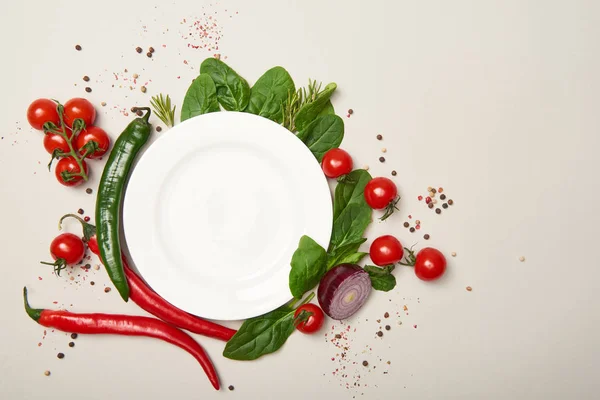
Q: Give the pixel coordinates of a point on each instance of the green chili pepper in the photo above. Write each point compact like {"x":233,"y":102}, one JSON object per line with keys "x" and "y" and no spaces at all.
{"x":110,"y":194}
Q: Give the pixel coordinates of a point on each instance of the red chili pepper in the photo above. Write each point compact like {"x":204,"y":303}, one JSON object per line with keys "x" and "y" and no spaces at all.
{"x":150,"y":301}
{"x":122,"y":325}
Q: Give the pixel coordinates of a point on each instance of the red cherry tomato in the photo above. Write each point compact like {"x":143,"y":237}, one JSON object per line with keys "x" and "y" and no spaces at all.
{"x":53,"y":141}
{"x":79,"y":108}
{"x":93,"y":245}
{"x":67,"y":247}
{"x":41,"y":111}
{"x":336,"y":162}
{"x":68,"y":164}
{"x":313,"y":322}
{"x":93,"y":133}
{"x":386,"y":250}
{"x":380,"y":192}
{"x":430,"y":264}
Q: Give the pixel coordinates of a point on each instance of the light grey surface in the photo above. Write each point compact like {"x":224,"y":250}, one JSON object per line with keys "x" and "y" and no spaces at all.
{"x":495,"y":101}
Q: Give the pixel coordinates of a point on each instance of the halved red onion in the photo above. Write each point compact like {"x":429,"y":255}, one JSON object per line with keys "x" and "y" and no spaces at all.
{"x":344,"y":290}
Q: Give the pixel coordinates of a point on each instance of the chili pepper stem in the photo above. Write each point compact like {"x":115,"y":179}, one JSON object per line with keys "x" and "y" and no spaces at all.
{"x":34,"y":313}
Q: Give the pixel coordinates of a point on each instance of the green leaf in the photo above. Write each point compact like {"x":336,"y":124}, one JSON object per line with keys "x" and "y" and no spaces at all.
{"x":351,"y":191}
{"x":309,"y":111}
{"x":350,"y":225}
{"x":327,"y":110}
{"x":309,"y":264}
{"x":269,"y":93}
{"x":201,"y":98}
{"x":323,"y":134}
{"x":346,"y":254}
{"x":261,"y":335}
{"x":233,"y":92}
{"x":381,"y":278}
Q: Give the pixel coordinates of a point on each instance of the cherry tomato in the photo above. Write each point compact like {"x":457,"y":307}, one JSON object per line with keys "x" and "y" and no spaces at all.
{"x":386,"y":250}
{"x":41,"y":111}
{"x":70,"y":165}
{"x":313,"y":322}
{"x":67,"y":247}
{"x":53,"y":141}
{"x":380,"y":192}
{"x":93,"y":133}
{"x":93,"y":245}
{"x":430,"y":264}
{"x":336,"y":162}
{"x":79,"y":108}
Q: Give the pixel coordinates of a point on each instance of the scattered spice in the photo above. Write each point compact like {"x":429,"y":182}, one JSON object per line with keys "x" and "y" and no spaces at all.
{"x":450,"y":202}
{"x":433,"y":190}
{"x":406,"y":224}
{"x":387,"y":327}
{"x":74,"y":336}
{"x":106,"y":289}
{"x":379,"y":137}
{"x":366,"y":167}
{"x":230,"y":386}
{"x":350,"y":111}
{"x":386,"y":315}
{"x":365,"y":363}
{"x":158,"y":129}
{"x":88,"y":89}
{"x":103,"y":104}
{"x":438,"y":211}
{"x":426,"y":236}
{"x":86,"y":78}
{"x":60,"y":355}
{"x":338,"y":336}
{"x":135,"y":76}
{"x":453,"y":254}
{"x":78,"y":47}
{"x":47,"y":373}
{"x":521,"y":258}
{"x":71,"y":344}
{"x":96,"y":267}
{"x":469,"y":288}
{"x":445,"y":205}
{"x":89,"y":190}
{"x":86,"y":218}
{"x":394,"y":173}
{"x":379,"y":333}
{"x":430,"y":205}
{"x":440,"y":190}
{"x":139,"y":113}
{"x":149,"y":55}
{"x":381,"y":159}
{"x":443,"y":197}
{"x":138,"y":49}
{"x":218,"y":56}
{"x":383,"y":150}
{"x":143,"y":89}
{"x":80,"y":211}
{"x":92,"y":283}
{"x":412,"y":229}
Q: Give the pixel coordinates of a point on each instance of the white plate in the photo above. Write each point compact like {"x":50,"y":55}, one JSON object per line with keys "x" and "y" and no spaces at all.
{"x":214,"y":210}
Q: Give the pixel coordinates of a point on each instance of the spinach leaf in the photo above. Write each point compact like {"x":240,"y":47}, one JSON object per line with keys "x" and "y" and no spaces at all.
{"x":346,"y":254}
{"x":200,"y":98}
{"x":309,"y":111}
{"x":261,"y":335}
{"x":323,"y":134}
{"x":233,"y":92}
{"x":351,"y":213}
{"x":350,"y":225}
{"x":269,"y":93}
{"x":327,"y":110}
{"x":309,"y":264}
{"x":351,"y":191}
{"x":381,"y":278}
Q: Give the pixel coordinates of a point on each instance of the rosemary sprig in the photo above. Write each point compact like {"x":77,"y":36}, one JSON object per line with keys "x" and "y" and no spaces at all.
{"x":163,"y":110}
{"x":296,"y":100}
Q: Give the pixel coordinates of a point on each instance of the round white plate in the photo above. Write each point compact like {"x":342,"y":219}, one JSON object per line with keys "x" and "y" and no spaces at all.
{"x":215,"y":208}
